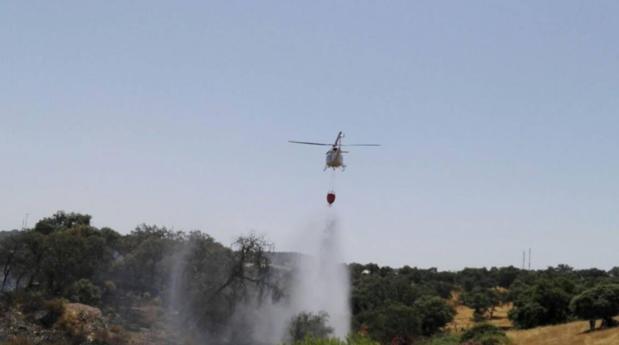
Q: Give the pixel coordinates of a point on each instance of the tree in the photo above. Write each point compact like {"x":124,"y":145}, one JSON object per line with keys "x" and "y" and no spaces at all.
{"x":543,"y":303}
{"x":614,"y":272}
{"x":528,"y":315}
{"x":143,"y":252}
{"x":84,"y":291}
{"x":481,"y":300}
{"x":70,"y":255}
{"x":8,"y":255}
{"x":434,"y":313}
{"x":309,"y":325}
{"x":61,"y":220}
{"x":472,"y":278}
{"x":212,"y":283}
{"x":505,"y":276}
{"x":600,"y":302}
{"x":393,"y":321}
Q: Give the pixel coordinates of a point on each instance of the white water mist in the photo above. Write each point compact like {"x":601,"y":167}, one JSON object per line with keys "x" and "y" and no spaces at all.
{"x":322,"y":279}
{"x":320,"y":283}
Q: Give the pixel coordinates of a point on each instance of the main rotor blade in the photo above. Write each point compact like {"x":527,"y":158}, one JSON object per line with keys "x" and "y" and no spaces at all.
{"x":360,"y":144}
{"x":308,"y":143}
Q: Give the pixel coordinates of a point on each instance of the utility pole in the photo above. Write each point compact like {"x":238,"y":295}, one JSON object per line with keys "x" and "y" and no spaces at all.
{"x":529,"y":259}
{"x":523,"y":258}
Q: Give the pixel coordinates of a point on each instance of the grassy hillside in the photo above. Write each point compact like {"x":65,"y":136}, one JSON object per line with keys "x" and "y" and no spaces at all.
{"x":464,"y":315}
{"x":574,"y":333}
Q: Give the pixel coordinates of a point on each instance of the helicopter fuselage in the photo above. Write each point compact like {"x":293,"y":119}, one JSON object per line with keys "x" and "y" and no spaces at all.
{"x":335,"y":158}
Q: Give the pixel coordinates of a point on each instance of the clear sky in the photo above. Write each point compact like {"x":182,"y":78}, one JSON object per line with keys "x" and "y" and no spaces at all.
{"x":499,"y":122}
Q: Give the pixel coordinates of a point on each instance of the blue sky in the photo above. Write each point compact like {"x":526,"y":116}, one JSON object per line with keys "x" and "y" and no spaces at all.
{"x":498,"y":121}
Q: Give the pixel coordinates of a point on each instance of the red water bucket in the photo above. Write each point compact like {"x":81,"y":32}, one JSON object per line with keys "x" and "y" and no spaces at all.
{"x":330,"y":198}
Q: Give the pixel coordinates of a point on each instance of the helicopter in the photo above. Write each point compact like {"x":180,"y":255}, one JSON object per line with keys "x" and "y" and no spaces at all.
{"x":335,"y":157}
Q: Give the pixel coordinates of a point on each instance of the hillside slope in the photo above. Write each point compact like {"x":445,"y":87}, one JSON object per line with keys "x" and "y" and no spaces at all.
{"x":574,"y":333}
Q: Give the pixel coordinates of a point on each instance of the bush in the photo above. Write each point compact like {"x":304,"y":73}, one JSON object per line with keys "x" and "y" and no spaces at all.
{"x":7,"y":300}
{"x":484,"y":334}
{"x":54,"y":309}
{"x":309,"y":325}
{"x":528,"y":315}
{"x":442,"y":339}
{"x":434,"y":313}
{"x":29,"y":302}
{"x":85,"y":292}
{"x":115,"y":335}
{"x":491,"y":339}
{"x":49,"y":312}
{"x":392,"y":321}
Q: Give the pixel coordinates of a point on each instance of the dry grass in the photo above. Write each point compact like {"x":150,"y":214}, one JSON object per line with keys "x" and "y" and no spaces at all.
{"x":574,"y":333}
{"x":463,"y":319}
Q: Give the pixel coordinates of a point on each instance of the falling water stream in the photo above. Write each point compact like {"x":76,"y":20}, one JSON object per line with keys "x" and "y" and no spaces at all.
{"x":320,"y":283}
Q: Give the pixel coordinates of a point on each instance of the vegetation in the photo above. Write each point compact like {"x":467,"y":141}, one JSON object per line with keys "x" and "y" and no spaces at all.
{"x":308,"y":325}
{"x":545,"y":302}
{"x":352,"y":340}
{"x":571,"y":333}
{"x":600,"y":302}
{"x":484,"y":334}
{"x":399,"y":305}
{"x":209,"y":286}
{"x":64,"y":256}
{"x":442,"y":339}
{"x":481,"y":301}
{"x":84,"y":291}
{"x":434,"y":314}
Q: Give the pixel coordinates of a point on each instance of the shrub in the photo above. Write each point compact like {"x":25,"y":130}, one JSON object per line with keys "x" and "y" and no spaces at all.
{"x":434,"y":313}
{"x":309,"y":325}
{"x":528,"y":315}
{"x":84,"y":291}
{"x":360,"y":340}
{"x":55,"y":309}
{"x":51,"y":310}
{"x":7,"y":300}
{"x":73,"y":327}
{"x":30,"y":302}
{"x":115,"y":335}
{"x":442,"y":339}
{"x":484,"y":334}
{"x":392,"y":321}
